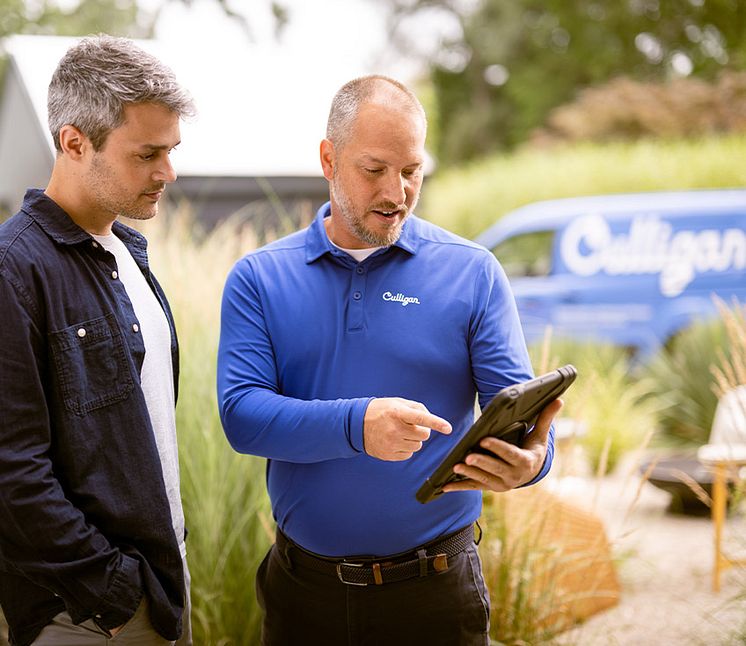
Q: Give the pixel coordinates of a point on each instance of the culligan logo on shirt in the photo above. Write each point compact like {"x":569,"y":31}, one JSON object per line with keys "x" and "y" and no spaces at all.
{"x":651,"y":247}
{"x":401,"y":299}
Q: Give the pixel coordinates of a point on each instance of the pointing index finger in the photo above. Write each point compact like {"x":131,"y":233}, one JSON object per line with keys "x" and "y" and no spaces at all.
{"x":424,"y":418}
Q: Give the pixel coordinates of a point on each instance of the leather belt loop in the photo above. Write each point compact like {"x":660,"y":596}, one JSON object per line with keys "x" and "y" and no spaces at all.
{"x":440,"y":564}
{"x":377,"y":578}
{"x":478,"y":535}
{"x":286,"y":554}
{"x":422,"y":558}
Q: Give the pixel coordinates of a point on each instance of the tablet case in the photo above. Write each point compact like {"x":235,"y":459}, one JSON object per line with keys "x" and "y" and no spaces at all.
{"x":509,"y":416}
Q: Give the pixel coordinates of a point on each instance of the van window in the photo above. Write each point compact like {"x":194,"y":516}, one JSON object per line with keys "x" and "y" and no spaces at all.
{"x":528,"y":254}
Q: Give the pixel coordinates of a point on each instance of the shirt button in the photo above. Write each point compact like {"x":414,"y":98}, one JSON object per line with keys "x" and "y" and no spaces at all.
{"x":360,"y":270}
{"x":135,"y":327}
{"x":357,"y":296}
{"x":81,"y":332}
{"x":114,"y":275}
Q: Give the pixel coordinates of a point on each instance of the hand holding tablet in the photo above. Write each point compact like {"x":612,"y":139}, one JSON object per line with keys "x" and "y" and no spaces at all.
{"x":509,"y":417}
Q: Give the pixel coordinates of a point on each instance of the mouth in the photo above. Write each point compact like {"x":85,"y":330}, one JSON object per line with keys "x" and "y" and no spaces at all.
{"x":154,"y":195}
{"x":389,"y":214}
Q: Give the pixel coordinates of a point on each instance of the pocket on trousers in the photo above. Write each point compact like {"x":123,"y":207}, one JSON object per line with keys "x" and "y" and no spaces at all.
{"x":139,"y":616}
{"x":91,"y":364}
{"x":260,"y":579}
{"x":481,"y":599}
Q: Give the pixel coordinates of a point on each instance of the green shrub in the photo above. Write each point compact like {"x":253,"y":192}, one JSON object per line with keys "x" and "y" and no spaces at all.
{"x":624,"y":108}
{"x":683,"y":382}
{"x":610,"y":403}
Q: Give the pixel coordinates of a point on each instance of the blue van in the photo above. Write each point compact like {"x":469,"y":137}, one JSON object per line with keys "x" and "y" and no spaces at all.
{"x":629,"y":269}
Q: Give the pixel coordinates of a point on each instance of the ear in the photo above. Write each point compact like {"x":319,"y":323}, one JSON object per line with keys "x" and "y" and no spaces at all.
{"x":73,"y":142}
{"x":328,"y":158}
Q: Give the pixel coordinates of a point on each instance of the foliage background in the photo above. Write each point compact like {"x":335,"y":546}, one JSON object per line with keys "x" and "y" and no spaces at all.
{"x":517,"y":93}
{"x":508,"y":63}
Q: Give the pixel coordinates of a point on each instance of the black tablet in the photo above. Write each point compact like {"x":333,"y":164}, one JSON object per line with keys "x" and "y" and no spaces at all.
{"x":509,"y":416}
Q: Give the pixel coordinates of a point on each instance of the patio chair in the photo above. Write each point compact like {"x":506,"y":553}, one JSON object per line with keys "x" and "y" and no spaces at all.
{"x":725,"y":456}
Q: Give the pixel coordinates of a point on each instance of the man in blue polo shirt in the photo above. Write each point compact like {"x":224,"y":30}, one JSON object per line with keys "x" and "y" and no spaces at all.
{"x":343,"y":346}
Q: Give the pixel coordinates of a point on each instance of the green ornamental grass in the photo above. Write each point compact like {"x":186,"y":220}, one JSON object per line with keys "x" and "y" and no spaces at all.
{"x":225,"y":501}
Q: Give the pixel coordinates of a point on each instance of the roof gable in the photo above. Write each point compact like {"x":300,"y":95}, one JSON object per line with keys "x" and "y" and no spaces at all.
{"x":259,"y":112}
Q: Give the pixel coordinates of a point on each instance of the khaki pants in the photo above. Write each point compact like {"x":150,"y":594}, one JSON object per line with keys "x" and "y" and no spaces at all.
{"x":136,"y":632}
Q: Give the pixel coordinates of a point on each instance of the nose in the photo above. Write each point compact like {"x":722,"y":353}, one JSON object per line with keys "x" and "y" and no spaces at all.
{"x":165,"y":172}
{"x":395,"y":188}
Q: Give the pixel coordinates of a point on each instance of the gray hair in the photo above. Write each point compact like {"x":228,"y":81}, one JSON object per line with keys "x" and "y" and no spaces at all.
{"x":353,"y":94}
{"x":98,"y":77}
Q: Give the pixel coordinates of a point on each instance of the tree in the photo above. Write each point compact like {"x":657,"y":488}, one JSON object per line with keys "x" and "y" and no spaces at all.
{"x":515,"y":60}
{"x":118,"y":17}
{"x":115,"y":17}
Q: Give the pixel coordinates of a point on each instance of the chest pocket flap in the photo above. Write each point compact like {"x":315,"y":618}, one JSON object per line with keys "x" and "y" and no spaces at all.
{"x":91,"y":365}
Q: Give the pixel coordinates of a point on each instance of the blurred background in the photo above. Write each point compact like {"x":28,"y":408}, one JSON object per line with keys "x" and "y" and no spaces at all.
{"x":527,"y":101}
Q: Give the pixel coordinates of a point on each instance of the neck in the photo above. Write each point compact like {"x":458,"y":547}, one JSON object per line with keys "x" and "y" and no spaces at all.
{"x":340,"y":236}
{"x":70,"y":197}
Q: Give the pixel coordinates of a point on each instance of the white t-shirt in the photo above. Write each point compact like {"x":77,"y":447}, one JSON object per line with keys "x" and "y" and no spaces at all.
{"x":156,"y":376}
{"x":358,"y":254}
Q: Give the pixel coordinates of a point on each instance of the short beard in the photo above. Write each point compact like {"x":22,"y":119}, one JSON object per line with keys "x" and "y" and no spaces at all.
{"x":357,"y":225}
{"x":103,"y":182}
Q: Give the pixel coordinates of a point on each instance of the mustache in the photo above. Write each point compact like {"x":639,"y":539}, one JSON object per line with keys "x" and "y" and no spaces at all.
{"x":390,"y":206}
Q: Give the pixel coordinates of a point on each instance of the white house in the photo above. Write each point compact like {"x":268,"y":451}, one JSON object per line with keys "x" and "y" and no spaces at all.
{"x":253,"y":147}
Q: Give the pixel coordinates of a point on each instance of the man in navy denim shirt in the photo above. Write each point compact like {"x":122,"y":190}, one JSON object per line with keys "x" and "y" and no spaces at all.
{"x":91,"y":526}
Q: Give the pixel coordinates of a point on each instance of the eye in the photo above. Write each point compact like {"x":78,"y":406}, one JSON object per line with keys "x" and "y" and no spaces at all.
{"x":410,"y":172}
{"x":374,"y":171}
{"x":147,"y":156}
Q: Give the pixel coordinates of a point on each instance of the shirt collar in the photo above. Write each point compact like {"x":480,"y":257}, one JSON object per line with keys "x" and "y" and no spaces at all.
{"x":59,"y":226}
{"x":53,"y":220}
{"x":318,"y":244}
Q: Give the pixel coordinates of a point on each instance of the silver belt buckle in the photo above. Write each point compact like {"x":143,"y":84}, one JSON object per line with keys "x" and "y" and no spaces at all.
{"x":342,"y":579}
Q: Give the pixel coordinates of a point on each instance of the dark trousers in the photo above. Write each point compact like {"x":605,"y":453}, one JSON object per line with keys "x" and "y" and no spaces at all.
{"x":304,"y":607}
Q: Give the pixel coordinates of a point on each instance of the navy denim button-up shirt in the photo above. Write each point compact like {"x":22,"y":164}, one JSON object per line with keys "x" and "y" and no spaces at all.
{"x":85,"y":524}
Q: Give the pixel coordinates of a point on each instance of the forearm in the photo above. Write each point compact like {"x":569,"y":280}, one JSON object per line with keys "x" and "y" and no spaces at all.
{"x":257,"y":416}
{"x":499,"y":354}
{"x":264,"y":423}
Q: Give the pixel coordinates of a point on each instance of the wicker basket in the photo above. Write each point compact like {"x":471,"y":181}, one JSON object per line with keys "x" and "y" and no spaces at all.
{"x":568,"y":554}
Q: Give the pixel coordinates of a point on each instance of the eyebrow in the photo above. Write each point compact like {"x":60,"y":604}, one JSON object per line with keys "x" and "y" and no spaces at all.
{"x":370,"y":158}
{"x":158,"y":147}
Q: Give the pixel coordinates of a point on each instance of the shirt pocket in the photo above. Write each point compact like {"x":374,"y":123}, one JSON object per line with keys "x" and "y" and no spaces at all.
{"x":91,"y":364}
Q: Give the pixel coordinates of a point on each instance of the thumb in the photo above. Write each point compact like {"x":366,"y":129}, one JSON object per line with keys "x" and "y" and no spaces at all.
{"x":541,"y":429}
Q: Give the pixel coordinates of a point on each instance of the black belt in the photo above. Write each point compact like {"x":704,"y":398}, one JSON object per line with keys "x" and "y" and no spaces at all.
{"x":431,"y":558}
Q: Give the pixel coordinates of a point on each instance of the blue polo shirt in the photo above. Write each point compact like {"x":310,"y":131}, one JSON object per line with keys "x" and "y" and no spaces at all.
{"x":309,"y":336}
